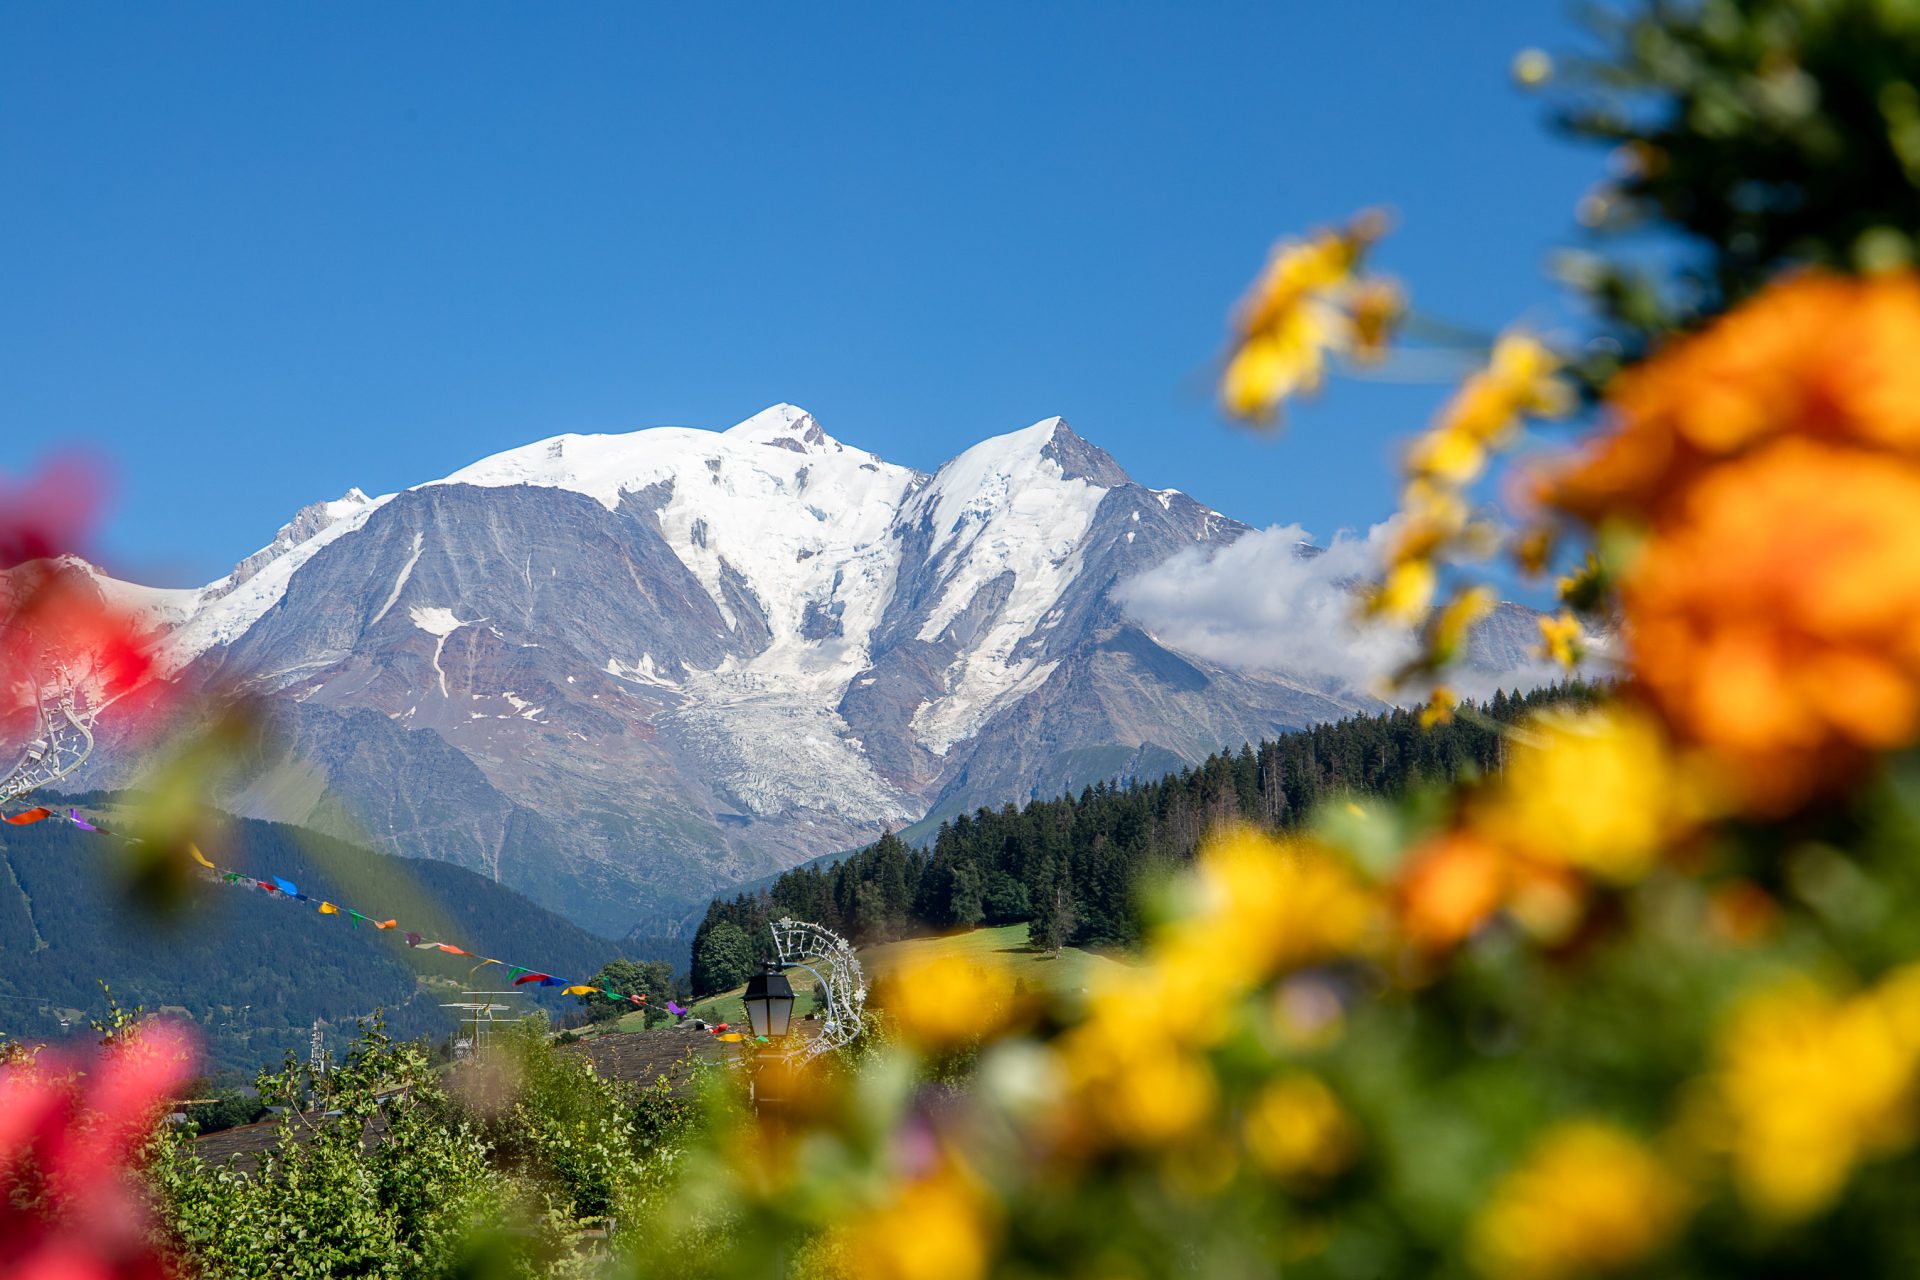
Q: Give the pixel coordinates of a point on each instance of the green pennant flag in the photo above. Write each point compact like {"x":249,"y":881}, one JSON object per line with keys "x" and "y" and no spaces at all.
{"x":354,"y":917}
{"x":514,"y":971}
{"x":615,"y":994}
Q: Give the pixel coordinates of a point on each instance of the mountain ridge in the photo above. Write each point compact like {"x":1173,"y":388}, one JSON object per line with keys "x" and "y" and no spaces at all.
{"x":620,"y":672}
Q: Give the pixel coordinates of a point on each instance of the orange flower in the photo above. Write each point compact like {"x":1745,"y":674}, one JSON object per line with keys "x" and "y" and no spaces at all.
{"x":1776,"y":619}
{"x":1450,"y":886}
{"x":1819,"y":355}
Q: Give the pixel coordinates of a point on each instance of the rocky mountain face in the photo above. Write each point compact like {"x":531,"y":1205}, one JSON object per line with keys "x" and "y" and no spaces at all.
{"x":618,"y":673}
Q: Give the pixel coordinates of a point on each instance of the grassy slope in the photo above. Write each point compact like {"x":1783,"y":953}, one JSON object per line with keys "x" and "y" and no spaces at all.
{"x":1006,"y":945}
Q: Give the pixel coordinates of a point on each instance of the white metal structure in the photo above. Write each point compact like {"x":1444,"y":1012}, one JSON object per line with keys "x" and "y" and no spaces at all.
{"x":801,"y":945}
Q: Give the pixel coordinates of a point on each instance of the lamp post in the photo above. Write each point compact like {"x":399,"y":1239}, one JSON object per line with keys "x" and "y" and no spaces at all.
{"x":769,"y":1002}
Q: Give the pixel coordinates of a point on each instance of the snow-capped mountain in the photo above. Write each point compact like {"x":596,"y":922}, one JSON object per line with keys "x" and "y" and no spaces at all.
{"x":621,"y":672}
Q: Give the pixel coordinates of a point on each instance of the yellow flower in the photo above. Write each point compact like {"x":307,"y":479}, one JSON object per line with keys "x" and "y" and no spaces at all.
{"x":1297,"y":1131}
{"x":1532,"y":68}
{"x":944,"y":1001}
{"x":1286,"y":359}
{"x":1439,"y":708}
{"x":1449,"y":455}
{"x":1305,"y":304}
{"x":1561,"y":637}
{"x":1407,"y":592}
{"x":1807,"y":1084}
{"x":936,"y":1228}
{"x":1456,"y":622}
{"x":1598,"y":790}
{"x":1266,"y":905}
{"x":1155,"y":1097}
{"x":1375,"y":307}
{"x":1589,"y":1198}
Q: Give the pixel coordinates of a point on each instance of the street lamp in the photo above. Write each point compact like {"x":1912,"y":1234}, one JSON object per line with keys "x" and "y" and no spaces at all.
{"x":769,"y":1002}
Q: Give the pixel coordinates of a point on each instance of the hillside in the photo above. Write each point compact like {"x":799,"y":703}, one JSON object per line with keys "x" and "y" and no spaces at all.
{"x":1069,"y":866}
{"x":253,"y":970}
{"x":1005,"y":945}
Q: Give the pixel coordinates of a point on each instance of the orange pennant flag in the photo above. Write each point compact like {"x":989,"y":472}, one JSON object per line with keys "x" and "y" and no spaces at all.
{"x":31,"y":815}
{"x":385,"y":924}
{"x":200,"y":857}
{"x":450,"y":949}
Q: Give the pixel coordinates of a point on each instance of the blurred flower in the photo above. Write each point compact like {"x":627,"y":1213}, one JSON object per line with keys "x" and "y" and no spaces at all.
{"x":1532,"y":68}
{"x":1775,"y":617}
{"x":49,"y":514}
{"x":1598,"y":790}
{"x":54,"y":621}
{"x":945,"y":1001}
{"x":1297,"y":1131}
{"x":1156,"y":1094}
{"x":936,"y":1227}
{"x":1817,"y":355}
{"x":1560,"y":637}
{"x":1522,"y":379}
{"x":1376,"y":307}
{"x":1406,"y":593}
{"x":1439,"y":708}
{"x":1807,"y":1084}
{"x":68,"y":1207}
{"x":1266,"y":904}
{"x":1450,"y":885}
{"x":1741,"y":912}
{"x":1589,"y":1198}
{"x":1305,"y":304}
{"x":1447,"y":638}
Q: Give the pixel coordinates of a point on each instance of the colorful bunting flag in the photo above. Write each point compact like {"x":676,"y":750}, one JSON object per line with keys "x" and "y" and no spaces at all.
{"x":676,"y":1010}
{"x":276,"y":884}
{"x":30,"y":816}
{"x":732,"y":1037}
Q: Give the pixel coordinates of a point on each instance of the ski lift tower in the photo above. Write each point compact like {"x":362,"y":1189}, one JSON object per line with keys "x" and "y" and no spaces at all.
{"x":481,"y":1012}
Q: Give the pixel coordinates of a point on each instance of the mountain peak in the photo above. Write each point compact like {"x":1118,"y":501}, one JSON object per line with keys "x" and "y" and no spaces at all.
{"x":1081,"y":460}
{"x":785,"y":426}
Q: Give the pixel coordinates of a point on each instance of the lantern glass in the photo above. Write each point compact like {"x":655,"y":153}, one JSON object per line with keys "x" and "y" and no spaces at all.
{"x":769,"y":1002}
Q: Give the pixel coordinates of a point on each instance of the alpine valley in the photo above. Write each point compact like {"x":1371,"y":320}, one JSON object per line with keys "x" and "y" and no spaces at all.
{"x":620,"y":673}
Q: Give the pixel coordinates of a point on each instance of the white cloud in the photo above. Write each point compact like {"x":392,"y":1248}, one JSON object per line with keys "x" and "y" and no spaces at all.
{"x":1258,"y":604}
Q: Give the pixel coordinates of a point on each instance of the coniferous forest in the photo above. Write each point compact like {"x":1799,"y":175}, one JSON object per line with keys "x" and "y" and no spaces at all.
{"x":1070,"y":867}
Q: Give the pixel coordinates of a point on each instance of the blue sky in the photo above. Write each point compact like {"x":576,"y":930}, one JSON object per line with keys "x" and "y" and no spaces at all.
{"x":258,"y":254}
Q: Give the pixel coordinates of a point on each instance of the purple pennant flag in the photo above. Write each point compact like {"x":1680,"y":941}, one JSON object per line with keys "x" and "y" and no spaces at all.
{"x":73,"y":816}
{"x":676,"y":1010}
{"x":413,"y":939}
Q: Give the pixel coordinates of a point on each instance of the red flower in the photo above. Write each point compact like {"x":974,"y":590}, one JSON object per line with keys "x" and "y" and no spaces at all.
{"x":68,"y":1144}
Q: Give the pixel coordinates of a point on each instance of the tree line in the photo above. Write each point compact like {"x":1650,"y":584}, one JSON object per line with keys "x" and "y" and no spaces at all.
{"x":1069,"y":867}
